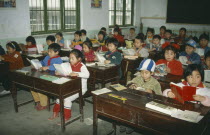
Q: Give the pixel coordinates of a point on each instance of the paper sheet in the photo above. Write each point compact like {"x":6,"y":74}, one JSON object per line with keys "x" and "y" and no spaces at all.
{"x":101,"y":91}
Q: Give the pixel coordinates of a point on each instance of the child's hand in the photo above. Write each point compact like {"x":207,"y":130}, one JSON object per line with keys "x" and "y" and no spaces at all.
{"x":107,"y":61}
{"x":133,"y":86}
{"x":199,"y":98}
{"x":171,"y":94}
{"x":44,"y":68}
{"x":74,"y":74}
{"x":57,"y":73}
{"x":189,"y":62}
{"x":168,"y":70}
{"x":149,"y":91}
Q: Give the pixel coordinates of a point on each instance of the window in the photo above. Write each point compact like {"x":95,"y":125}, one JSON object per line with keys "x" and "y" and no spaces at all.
{"x":54,"y":15}
{"x":121,"y":12}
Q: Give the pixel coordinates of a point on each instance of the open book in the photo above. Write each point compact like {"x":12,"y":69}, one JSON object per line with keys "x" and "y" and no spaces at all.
{"x":64,"y":68}
{"x":40,"y":48}
{"x":183,"y":93}
{"x":100,"y":58}
{"x":207,"y":76}
{"x":200,"y":51}
{"x":183,"y":60}
{"x":36,"y":63}
{"x":129,"y":52}
{"x":160,"y":69}
{"x":67,"y":44}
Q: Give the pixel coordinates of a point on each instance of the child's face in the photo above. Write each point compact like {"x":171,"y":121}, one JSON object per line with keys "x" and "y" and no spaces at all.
{"x":132,"y":31}
{"x":49,"y":42}
{"x":83,"y":35}
{"x":182,"y":33}
{"x":73,"y":59}
{"x":112,"y":47}
{"x":100,"y":37}
{"x":138,"y":43}
{"x":10,"y":50}
{"x":162,"y":31}
{"x":115,"y":33}
{"x":169,"y":55}
{"x":28,"y":43}
{"x":77,"y":37}
{"x":203,"y":42}
{"x":156,"y":41}
{"x":194,"y":79}
{"x":168,"y":35}
{"x":58,"y":37}
{"x":146,"y":75}
{"x":52,"y":53}
{"x":85,"y":48}
{"x":149,"y":34}
{"x":189,"y":49}
{"x":207,"y":61}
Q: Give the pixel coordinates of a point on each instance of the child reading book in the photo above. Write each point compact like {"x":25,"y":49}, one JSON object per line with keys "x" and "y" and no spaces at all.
{"x":47,"y":64}
{"x":30,"y":44}
{"x":101,"y":42}
{"x":84,"y":35}
{"x":118,"y":36}
{"x":59,"y":39}
{"x":149,"y":35}
{"x":77,"y":39}
{"x":138,"y":47}
{"x":88,"y":52}
{"x":193,"y":75}
{"x":131,"y":35}
{"x":168,"y":37}
{"x":172,"y":65}
{"x":155,"y":45}
{"x":79,"y":70}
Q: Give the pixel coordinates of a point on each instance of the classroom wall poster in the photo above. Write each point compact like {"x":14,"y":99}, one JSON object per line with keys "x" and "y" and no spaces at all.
{"x":96,"y":3}
{"x":7,"y":3}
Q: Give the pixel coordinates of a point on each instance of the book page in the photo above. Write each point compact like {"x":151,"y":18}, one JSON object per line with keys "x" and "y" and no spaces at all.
{"x":67,"y":44}
{"x":101,"y":91}
{"x":100,"y":58}
{"x":40,"y":48}
{"x":61,"y":80}
{"x":36,"y":63}
{"x":118,"y":87}
{"x":183,"y":60}
{"x":160,"y":69}
{"x":63,"y":69}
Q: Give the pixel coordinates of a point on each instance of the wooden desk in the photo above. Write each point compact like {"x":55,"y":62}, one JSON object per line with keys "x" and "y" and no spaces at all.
{"x":60,"y":91}
{"x":134,"y":113}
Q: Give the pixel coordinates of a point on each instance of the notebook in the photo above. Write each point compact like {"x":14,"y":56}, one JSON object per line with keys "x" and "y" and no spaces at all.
{"x":49,"y":77}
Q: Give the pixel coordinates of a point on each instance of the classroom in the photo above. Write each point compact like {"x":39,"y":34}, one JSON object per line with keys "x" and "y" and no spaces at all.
{"x":104,"y":67}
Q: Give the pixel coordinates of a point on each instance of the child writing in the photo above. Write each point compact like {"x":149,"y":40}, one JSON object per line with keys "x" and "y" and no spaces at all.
{"x":88,"y":52}
{"x":193,"y":76}
{"x":149,"y":35}
{"x":138,"y":47}
{"x":206,"y":64}
{"x":77,"y":40}
{"x":78,"y":70}
{"x":168,"y":35}
{"x":155,"y":45}
{"x":30,"y":44}
{"x":59,"y":39}
{"x":203,"y":43}
{"x":47,"y":64}
{"x":193,"y":58}
{"x":162,"y":31}
{"x":101,"y":42}
{"x":49,"y":40}
{"x":13,"y":57}
{"x":84,"y":35}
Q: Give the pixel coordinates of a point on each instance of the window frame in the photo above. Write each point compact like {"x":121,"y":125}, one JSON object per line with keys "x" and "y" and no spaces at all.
{"x":124,"y":14}
{"x":62,"y":18}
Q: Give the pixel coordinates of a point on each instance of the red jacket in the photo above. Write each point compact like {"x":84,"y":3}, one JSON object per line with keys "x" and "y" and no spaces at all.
{"x":174,"y":65}
{"x":90,"y":56}
{"x":119,"y":38}
{"x":31,"y":46}
{"x":15,"y":60}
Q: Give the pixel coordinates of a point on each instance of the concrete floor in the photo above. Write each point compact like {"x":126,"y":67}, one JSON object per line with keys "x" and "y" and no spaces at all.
{"x":28,"y":121}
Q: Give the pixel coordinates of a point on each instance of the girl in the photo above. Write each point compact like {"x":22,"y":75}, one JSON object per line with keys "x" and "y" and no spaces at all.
{"x":88,"y":52}
{"x":193,"y":76}
{"x":101,"y":42}
{"x":162,"y":31}
{"x":59,"y":38}
{"x":118,"y":36}
{"x":30,"y":43}
{"x":150,"y":34}
{"x":15,"y":62}
{"x":78,"y":70}
{"x":173,"y":66}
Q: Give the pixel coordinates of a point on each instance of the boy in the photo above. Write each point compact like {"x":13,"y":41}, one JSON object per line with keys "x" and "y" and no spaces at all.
{"x":131,"y":35}
{"x":77,"y":39}
{"x":104,"y":30}
{"x":203,"y":42}
{"x":84,"y":37}
{"x":49,"y":40}
{"x":206,"y":64}
{"x":47,"y":64}
{"x":145,"y":79}
{"x":119,"y":37}
{"x":193,"y":58}
{"x":138,"y":47}
{"x":182,"y":38}
{"x":168,"y":35}
{"x":30,"y":43}
{"x":155,"y":45}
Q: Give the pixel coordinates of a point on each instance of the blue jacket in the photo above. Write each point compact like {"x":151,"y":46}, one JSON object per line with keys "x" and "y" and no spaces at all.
{"x":194,"y":57}
{"x":115,"y":57}
{"x":53,"y":61}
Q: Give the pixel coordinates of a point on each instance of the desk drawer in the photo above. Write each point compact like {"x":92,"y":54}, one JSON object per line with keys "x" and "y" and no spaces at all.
{"x":116,"y":110}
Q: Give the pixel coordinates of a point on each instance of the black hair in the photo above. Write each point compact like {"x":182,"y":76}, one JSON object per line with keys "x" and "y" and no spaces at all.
{"x":83,"y":31}
{"x":55,"y":47}
{"x":132,"y":29}
{"x":14,"y":45}
{"x":170,"y":47}
{"x":204,"y":36}
{"x":103,"y":28}
{"x":88,"y":43}
{"x":163,"y":27}
{"x":141,"y":35}
{"x":207,"y":55}
{"x":78,"y":33}
{"x":157,"y":36}
{"x":102,"y":33}
{"x":78,"y":54}
{"x":117,"y":30}
{"x":194,"y":67}
{"x":116,"y":26}
{"x":140,"y":38}
{"x":59,"y":34}
{"x":51,"y":38}
{"x":169,"y":31}
{"x":184,"y":29}
{"x":31,"y":39}
{"x":150,"y":30}
{"x":113,"y":41}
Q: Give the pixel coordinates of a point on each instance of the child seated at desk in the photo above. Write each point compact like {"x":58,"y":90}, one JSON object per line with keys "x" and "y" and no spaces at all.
{"x":78,"y":70}
{"x":49,"y":40}
{"x":30,"y":44}
{"x":47,"y":64}
{"x":118,"y":36}
{"x":77,"y":40}
{"x":193,"y":58}
{"x":149,"y":35}
{"x":172,"y":65}
{"x":101,"y":42}
{"x":104,"y":30}
{"x":168,"y":35}
{"x":88,"y":52}
{"x":138,"y":47}
{"x":131,"y":35}
{"x":155,"y":45}
{"x":59,"y":39}
{"x":15,"y":62}
{"x":84,"y":35}
{"x":206,"y":64}
{"x":194,"y":75}
{"x":182,"y":37}
{"x":203,"y":43}
{"x":162,"y":32}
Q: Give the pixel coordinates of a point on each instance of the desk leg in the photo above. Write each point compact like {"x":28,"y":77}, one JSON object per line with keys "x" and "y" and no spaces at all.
{"x":14,"y":96}
{"x":81,"y":102}
{"x":95,"y":117}
{"x":62,"y":114}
